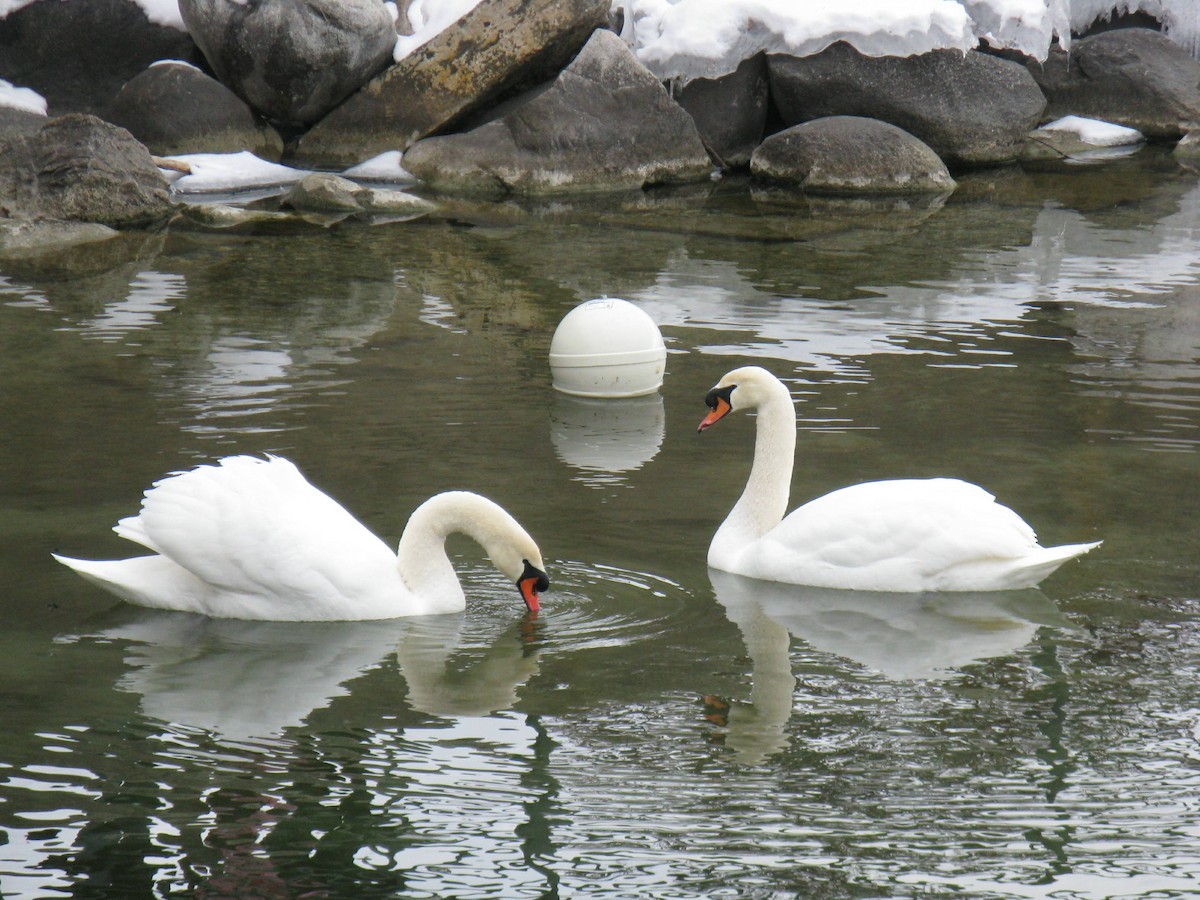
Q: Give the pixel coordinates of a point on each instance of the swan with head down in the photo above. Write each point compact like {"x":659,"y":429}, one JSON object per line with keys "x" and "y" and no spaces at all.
{"x":251,"y":538}
{"x":904,"y":535}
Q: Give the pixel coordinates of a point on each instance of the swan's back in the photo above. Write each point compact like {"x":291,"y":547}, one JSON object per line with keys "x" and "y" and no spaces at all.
{"x":905,"y":535}
{"x":235,"y":538}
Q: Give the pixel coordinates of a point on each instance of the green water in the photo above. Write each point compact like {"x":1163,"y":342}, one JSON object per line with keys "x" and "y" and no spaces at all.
{"x":660,"y":730}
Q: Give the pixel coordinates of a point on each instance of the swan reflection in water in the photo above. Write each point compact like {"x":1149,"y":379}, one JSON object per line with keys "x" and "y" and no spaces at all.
{"x":250,"y":680}
{"x":900,"y":636}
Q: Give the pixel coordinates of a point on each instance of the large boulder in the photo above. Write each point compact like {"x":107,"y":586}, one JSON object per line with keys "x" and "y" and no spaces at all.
{"x":293,"y":62}
{"x":605,"y":123}
{"x":175,"y":108}
{"x":78,"y":55}
{"x":499,"y":47}
{"x":82,"y":169}
{"x":14,"y":122}
{"x":1131,"y":76}
{"x":851,"y":155}
{"x":973,"y":109}
{"x":731,"y":111}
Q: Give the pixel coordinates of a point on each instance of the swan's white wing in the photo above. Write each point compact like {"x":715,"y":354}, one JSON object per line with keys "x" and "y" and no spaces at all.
{"x":891,"y":535}
{"x":257,"y":527}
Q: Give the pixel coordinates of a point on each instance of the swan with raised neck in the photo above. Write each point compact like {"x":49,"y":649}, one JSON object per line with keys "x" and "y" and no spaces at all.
{"x":903,"y":535}
{"x":251,"y":538}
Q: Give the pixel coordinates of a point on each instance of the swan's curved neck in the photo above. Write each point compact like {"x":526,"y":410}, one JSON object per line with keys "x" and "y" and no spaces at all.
{"x":421,"y":554}
{"x":764,"y":501}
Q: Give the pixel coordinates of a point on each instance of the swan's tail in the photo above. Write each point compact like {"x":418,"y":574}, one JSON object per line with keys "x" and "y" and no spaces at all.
{"x":152,"y":581}
{"x":1034,"y":569}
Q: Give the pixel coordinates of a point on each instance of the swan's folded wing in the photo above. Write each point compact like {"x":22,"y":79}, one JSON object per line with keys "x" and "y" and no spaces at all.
{"x":256,"y":526}
{"x":893,"y":532}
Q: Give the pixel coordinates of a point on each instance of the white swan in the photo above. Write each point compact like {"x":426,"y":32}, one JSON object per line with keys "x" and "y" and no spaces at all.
{"x":905,"y":536}
{"x":250,"y":538}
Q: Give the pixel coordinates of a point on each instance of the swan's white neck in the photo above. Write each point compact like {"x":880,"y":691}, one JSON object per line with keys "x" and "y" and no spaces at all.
{"x":764,"y":501}
{"x":421,"y":555}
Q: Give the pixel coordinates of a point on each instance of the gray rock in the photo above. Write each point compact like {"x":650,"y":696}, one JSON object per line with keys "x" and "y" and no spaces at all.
{"x":80,"y":168}
{"x":22,"y":237}
{"x":851,"y":155}
{"x":972,"y":109}
{"x":294,"y":61}
{"x":78,"y":55}
{"x":1130,"y":76}
{"x":323,"y":192}
{"x":220,"y":217}
{"x":175,"y":108}
{"x":1189,"y":147}
{"x":14,"y":122}
{"x":386,"y":202}
{"x":605,"y":123}
{"x":498,"y":47}
{"x":730,"y":112}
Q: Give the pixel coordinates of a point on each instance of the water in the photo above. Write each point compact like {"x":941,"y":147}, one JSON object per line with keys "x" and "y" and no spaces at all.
{"x":660,"y":730}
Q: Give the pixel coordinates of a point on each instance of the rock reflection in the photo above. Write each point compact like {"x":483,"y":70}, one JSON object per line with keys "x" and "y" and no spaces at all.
{"x":900,"y":636}
{"x":603,"y":439}
{"x":244,"y":681}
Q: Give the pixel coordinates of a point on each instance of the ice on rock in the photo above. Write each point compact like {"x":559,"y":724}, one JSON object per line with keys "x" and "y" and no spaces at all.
{"x":1096,"y":132}
{"x":708,"y":38}
{"x":1180,"y":18}
{"x":21,"y":98}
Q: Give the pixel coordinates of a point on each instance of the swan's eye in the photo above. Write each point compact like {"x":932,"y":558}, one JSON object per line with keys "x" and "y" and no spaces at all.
{"x":711,"y":398}
{"x":541,"y":580}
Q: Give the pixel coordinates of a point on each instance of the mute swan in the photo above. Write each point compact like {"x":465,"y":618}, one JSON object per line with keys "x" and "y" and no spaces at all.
{"x":250,"y":538}
{"x":905,"y":536}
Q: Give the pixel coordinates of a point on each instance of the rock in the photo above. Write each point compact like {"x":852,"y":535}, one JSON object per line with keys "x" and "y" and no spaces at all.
{"x":14,"y":122}
{"x":498,"y":47}
{"x":605,"y":123}
{"x":323,"y":192}
{"x":221,"y":217}
{"x":83,"y":169}
{"x":730,"y":112}
{"x":386,"y":202}
{"x":1189,"y":147}
{"x":292,"y":62}
{"x":851,"y":155}
{"x":174,"y":108}
{"x":1079,"y":138}
{"x":78,"y":55}
{"x":20,"y":237}
{"x":972,"y":109}
{"x":1132,"y":76}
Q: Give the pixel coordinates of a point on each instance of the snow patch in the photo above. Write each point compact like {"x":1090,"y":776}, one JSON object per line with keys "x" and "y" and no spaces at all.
{"x":21,"y":98}
{"x":219,"y":172}
{"x":1096,"y":132}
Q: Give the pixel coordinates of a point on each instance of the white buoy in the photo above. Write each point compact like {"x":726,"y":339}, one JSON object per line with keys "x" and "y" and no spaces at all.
{"x":607,"y":348}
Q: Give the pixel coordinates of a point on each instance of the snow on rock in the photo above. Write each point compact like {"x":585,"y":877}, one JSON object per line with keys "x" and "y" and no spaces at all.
{"x":708,"y":38}
{"x":689,"y":39}
{"x":213,"y":172}
{"x":1180,"y":18}
{"x":1095,"y":132}
{"x":384,"y":167}
{"x":21,"y":98}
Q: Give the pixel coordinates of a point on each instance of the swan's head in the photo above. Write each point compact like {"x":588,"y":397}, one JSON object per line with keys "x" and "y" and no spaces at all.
{"x":532,"y":582}
{"x":512,"y":551}
{"x":516,"y":555}
{"x":746,"y":388}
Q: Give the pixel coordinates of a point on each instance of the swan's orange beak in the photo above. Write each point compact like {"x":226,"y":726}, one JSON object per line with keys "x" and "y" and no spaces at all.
{"x":720,"y":408}
{"x":532,"y":581}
